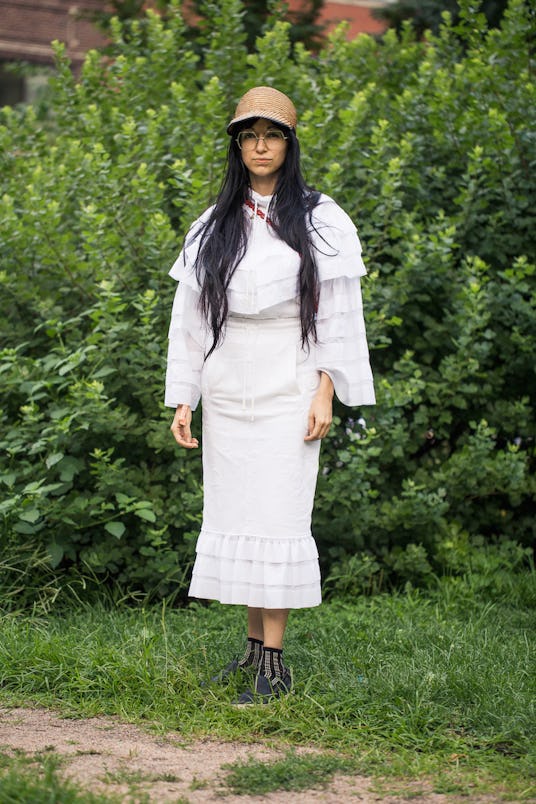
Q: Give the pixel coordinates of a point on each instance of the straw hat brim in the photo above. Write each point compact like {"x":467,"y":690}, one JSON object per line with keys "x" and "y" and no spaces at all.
{"x":255,"y":115}
{"x":267,"y":103}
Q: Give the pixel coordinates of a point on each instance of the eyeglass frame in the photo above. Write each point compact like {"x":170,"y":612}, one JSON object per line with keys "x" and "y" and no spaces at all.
{"x":259,"y":136}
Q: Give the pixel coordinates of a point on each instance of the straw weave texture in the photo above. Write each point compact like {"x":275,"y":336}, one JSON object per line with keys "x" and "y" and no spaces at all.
{"x":265,"y":102}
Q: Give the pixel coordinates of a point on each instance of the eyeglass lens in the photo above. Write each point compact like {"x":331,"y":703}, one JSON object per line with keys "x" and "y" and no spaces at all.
{"x":249,"y":138}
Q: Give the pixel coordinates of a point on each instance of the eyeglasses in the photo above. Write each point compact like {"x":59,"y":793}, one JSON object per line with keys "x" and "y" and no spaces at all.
{"x":247,"y":140}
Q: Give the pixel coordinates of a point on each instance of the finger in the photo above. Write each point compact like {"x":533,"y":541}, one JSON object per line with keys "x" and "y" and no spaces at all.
{"x":320,"y":430}
{"x":187,"y":443}
{"x":313,"y":434}
{"x":187,"y":437}
{"x":183,"y":436}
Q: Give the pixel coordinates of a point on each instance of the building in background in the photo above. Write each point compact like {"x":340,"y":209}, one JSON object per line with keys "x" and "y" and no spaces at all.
{"x":358,"y":13}
{"x":27,"y":27}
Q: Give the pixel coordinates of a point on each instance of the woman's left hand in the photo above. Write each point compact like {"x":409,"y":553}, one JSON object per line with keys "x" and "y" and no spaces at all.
{"x":321,"y":410}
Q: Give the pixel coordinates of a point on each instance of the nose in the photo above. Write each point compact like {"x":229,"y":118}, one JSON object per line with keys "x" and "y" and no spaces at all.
{"x":260,"y":139}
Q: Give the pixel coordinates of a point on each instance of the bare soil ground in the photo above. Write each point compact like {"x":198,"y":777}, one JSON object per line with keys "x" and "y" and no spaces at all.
{"x":103,"y":755}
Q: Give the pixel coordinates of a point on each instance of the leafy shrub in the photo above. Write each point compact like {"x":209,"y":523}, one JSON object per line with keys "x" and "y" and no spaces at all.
{"x":427,"y":145}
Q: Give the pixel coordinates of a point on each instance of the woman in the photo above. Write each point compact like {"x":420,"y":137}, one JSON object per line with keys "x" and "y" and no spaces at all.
{"x":267,"y":322}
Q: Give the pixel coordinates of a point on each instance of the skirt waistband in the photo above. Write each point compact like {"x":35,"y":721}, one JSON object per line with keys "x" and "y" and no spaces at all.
{"x":257,"y":359}
{"x":246,"y":322}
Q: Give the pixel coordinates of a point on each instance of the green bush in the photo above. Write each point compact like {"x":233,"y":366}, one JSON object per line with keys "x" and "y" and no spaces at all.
{"x":427,"y":145}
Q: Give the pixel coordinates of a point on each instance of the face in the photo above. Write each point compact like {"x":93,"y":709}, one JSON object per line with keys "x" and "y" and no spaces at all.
{"x":263,"y":157}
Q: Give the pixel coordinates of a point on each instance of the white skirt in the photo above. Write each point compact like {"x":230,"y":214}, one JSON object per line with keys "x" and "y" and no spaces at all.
{"x":255,"y":547}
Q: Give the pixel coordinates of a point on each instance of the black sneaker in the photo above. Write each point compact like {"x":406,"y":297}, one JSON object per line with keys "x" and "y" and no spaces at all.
{"x":266,"y":690}
{"x":230,"y":670}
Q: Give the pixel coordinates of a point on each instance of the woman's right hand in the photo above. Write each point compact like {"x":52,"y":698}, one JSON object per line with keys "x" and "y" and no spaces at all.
{"x":180,"y":427}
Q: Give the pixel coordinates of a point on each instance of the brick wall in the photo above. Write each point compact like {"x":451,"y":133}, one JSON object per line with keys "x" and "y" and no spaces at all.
{"x":358,"y":13}
{"x":27,"y":28}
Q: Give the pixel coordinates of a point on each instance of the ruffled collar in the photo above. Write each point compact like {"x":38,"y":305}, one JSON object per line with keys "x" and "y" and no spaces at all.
{"x":261,"y":200}
{"x":257,"y":206}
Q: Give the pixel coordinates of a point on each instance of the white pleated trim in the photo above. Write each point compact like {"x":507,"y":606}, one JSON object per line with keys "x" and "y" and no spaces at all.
{"x":260,"y":574}
{"x":295,"y":550}
{"x":255,"y":571}
{"x":182,"y":393}
{"x":267,"y":273}
{"x":342,"y":349}
{"x":349,"y":391}
{"x":232,"y":592}
{"x":253,"y":300}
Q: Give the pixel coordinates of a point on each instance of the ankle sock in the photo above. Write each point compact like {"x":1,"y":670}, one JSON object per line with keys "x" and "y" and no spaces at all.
{"x":253,"y":654}
{"x":272,"y":663}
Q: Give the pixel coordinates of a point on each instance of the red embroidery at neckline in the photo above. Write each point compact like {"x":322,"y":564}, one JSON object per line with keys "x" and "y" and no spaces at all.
{"x":249,"y":203}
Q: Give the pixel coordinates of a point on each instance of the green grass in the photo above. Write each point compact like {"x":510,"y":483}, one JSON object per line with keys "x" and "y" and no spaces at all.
{"x":294,"y":772}
{"x":442,"y":685}
{"x":25,"y":779}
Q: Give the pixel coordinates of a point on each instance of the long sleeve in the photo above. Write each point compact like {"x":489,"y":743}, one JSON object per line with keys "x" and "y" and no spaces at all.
{"x":342,"y":350}
{"x":185,"y":351}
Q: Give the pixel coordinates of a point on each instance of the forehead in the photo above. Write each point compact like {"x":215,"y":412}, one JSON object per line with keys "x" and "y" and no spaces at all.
{"x":261,"y":124}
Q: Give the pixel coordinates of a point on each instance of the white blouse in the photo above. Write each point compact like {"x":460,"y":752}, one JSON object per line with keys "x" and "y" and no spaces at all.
{"x":264,"y":285}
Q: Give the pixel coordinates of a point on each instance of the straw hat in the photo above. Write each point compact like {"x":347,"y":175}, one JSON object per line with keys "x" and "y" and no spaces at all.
{"x":265,"y":102}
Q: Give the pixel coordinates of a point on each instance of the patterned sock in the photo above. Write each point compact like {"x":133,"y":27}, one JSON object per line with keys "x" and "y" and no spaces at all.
{"x":253,"y":655}
{"x":272,"y":663}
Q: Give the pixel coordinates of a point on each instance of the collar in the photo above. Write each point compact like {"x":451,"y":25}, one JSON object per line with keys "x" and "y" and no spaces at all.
{"x":254,"y":206}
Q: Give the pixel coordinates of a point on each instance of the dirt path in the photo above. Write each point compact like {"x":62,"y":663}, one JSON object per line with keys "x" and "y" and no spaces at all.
{"x":104,"y":755}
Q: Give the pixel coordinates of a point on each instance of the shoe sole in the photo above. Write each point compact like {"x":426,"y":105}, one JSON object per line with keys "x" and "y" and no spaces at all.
{"x":242,"y":672}
{"x":258,"y":701}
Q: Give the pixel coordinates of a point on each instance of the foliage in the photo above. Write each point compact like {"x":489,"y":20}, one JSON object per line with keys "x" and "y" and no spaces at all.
{"x":428,"y":15}
{"x":38,"y":779}
{"x":428,"y":145}
{"x":257,"y":16}
{"x":293,"y":772}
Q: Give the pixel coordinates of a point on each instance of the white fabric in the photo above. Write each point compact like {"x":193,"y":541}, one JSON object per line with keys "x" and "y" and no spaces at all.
{"x":255,"y":546}
{"x":266,"y":277}
{"x":186,"y":350}
{"x":342,"y":350}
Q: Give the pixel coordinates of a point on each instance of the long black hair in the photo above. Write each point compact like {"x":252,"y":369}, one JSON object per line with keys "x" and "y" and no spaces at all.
{"x":224,"y":236}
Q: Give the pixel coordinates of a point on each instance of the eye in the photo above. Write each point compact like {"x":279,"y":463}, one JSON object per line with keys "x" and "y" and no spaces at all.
{"x":274,"y":134}
{"x":248,"y":136}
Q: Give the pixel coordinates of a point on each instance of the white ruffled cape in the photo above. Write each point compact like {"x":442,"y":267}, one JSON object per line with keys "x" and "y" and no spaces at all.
{"x":267,"y":277}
